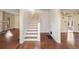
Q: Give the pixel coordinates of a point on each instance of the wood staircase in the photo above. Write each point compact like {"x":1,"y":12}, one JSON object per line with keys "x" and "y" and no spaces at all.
{"x":31,"y":33}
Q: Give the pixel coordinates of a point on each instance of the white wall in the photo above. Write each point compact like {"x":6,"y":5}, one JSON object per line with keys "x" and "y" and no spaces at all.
{"x":16,"y":21}
{"x":44,"y":20}
{"x":1,"y":19}
{"x":21,"y":28}
{"x":50,"y":21}
{"x":55,"y":25}
{"x":24,"y":20}
{"x":75,"y":23}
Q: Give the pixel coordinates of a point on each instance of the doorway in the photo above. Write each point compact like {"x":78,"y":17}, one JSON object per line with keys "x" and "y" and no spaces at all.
{"x":70,"y":33}
{"x":70,"y":23}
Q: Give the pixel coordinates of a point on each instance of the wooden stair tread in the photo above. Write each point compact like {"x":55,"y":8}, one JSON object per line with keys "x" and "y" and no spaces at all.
{"x":30,"y":37}
{"x":32,"y":30}
{"x":31,"y":33}
{"x":32,"y":25}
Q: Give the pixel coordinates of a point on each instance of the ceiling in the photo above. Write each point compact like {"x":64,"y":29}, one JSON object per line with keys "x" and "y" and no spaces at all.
{"x":13,"y":11}
{"x":16,"y":11}
{"x":77,"y":10}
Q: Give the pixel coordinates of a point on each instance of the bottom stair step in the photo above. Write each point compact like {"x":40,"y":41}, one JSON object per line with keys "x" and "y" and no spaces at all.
{"x":30,"y":37}
{"x":31,"y":40}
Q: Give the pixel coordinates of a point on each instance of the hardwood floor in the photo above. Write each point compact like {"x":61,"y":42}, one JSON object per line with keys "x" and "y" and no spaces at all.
{"x":47,"y":42}
{"x":64,"y":39}
{"x":76,"y":37}
{"x":13,"y":41}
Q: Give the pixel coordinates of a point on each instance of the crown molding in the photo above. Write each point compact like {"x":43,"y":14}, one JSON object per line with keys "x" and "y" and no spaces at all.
{"x":11,"y":11}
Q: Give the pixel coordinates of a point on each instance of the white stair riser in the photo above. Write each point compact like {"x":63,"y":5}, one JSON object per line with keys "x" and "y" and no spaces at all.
{"x":32,"y":26}
{"x":30,"y":35}
{"x":30,"y":32}
{"x":31,"y":29}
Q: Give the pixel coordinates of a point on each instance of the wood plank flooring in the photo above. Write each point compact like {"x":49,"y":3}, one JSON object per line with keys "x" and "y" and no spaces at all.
{"x":64,"y":39}
{"x":46,"y":42}
{"x":50,"y":43}
{"x":13,"y":41}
